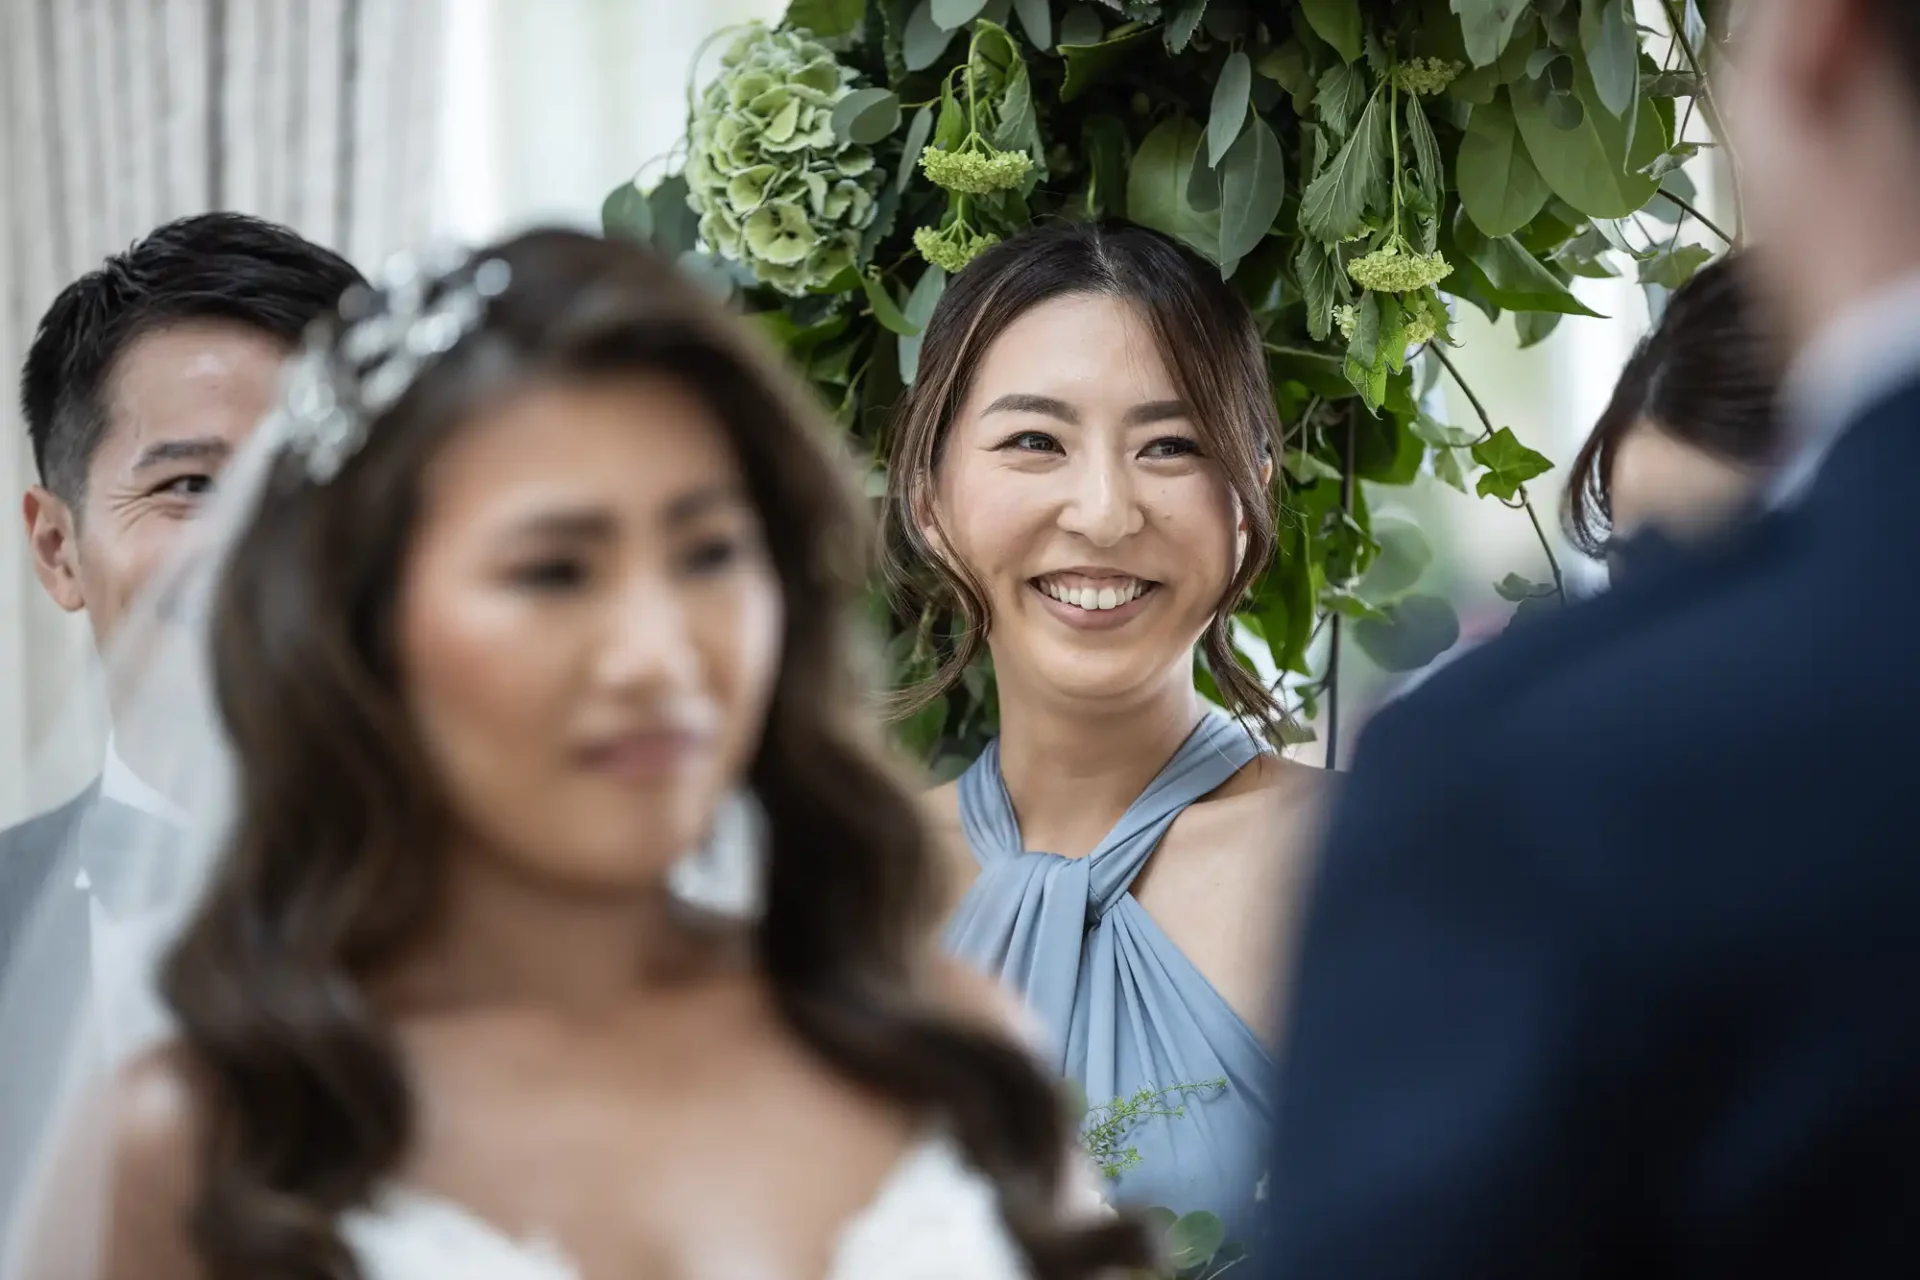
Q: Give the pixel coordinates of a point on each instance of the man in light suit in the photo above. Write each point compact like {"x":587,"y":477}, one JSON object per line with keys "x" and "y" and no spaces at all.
{"x":1610,"y":967}
{"x":144,"y":376}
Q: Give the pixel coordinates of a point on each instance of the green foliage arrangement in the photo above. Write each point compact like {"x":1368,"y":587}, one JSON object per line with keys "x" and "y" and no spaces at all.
{"x":1358,"y":169}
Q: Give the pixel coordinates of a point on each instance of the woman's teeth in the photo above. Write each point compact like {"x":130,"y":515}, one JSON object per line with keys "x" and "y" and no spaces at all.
{"x":1095,"y":598}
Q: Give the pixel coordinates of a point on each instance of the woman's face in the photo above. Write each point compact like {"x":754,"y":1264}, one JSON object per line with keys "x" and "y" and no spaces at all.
{"x":1075,"y":487}
{"x":1656,"y":481}
{"x":589,"y":628}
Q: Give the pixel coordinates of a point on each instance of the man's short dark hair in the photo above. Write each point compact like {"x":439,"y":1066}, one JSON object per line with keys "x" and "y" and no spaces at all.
{"x":213,"y":266}
{"x":1900,"y":19}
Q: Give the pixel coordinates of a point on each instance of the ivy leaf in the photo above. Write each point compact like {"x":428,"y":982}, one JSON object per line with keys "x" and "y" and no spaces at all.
{"x":1336,"y":201}
{"x":1534,"y":327}
{"x":1514,"y":588}
{"x":1037,"y":17}
{"x":1081,"y":26}
{"x":951,"y":14}
{"x":1669,"y":84}
{"x":1318,"y":274}
{"x":1157,"y":187}
{"x":919,"y":309}
{"x":1595,"y":166}
{"x":924,"y":39}
{"x":1342,"y":95}
{"x":866,"y":115}
{"x":1253,"y":182}
{"x":1426,"y":150}
{"x":885,"y":310}
{"x":1672,"y":268}
{"x":1499,"y":186}
{"x":916,"y":142}
{"x":1509,"y":464}
{"x":1182,"y":23}
{"x":1441,"y":434}
{"x":1613,"y":52}
{"x":1305,"y":468}
{"x":1447,"y":469}
{"x":825,"y":18}
{"x":1338,"y":23}
{"x":626,"y":215}
{"x":1585,"y":255}
{"x":1417,"y":630}
{"x":1670,"y":160}
{"x":1229,"y":109}
{"x":1286,"y":65}
{"x":1089,"y":64}
{"x":1487,"y":25}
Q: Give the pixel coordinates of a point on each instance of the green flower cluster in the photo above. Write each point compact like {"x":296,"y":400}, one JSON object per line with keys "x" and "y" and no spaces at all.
{"x":1426,"y":76}
{"x":775,"y":187}
{"x":1425,"y":315}
{"x":953,"y":246}
{"x":1394,"y":269}
{"x":976,"y":169}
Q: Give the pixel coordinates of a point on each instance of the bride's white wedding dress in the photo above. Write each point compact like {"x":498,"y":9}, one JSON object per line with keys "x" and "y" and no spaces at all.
{"x":935,"y":1218}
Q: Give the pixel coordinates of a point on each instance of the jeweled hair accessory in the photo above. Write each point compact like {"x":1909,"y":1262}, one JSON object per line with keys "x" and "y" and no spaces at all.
{"x":350,"y":372}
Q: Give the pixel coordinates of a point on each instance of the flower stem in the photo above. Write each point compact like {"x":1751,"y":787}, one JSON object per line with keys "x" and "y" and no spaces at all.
{"x":1478,"y":408}
{"x":1687,"y":208}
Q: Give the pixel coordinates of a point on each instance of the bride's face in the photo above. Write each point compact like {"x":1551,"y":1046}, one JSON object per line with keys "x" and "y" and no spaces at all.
{"x":589,"y":628}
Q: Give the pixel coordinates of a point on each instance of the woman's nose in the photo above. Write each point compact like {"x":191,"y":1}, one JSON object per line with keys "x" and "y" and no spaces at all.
{"x":646,"y":642}
{"x":1103,"y":507}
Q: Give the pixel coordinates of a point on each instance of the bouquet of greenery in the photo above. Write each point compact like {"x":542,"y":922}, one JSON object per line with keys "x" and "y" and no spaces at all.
{"x":1356,"y":168}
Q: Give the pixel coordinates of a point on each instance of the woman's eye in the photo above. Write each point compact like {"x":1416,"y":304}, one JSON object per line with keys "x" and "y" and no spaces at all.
{"x":194,"y":486}
{"x":1032,"y":442}
{"x":551,"y":575}
{"x":712,"y":555}
{"x":1172,"y":447}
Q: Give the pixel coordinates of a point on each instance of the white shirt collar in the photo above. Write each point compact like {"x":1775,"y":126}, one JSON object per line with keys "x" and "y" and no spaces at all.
{"x":1861,"y":356}
{"x":122,"y":785}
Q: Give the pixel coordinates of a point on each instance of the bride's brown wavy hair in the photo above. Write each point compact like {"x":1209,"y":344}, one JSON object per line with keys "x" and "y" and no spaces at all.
{"x":330,"y":871}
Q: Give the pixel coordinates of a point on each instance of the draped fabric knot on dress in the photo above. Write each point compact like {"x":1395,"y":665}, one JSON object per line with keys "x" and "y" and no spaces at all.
{"x":1123,"y":1008}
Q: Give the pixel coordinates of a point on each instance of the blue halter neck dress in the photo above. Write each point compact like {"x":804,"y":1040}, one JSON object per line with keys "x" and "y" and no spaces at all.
{"x":1122,"y":1007}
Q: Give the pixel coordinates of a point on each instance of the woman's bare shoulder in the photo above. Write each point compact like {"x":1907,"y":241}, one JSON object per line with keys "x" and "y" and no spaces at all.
{"x":155,"y":1132}
{"x":1287,"y":787}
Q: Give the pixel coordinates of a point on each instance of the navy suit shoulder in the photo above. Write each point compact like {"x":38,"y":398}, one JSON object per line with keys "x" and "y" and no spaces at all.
{"x":1601,"y":974}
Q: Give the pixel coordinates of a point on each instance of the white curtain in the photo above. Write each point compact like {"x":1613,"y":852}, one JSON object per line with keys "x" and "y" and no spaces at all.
{"x":118,"y":115}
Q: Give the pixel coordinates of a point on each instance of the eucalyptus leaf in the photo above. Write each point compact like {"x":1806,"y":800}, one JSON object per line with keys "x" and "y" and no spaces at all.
{"x":1194,"y":1239}
{"x":919,"y":309}
{"x":625,"y":214}
{"x":924,"y":40}
{"x":952,"y":14}
{"x":1157,"y":187}
{"x":1515,"y":588}
{"x":1104,"y":142}
{"x":1534,"y":327}
{"x":1487,"y":25}
{"x":1081,"y":26}
{"x":1229,"y":108}
{"x":1335,"y":202}
{"x":885,"y":309}
{"x":1253,"y":183}
{"x":866,"y":115}
{"x":1417,"y":630}
{"x":1338,"y":23}
{"x":826,"y":19}
{"x":1090,"y":64}
{"x":1037,"y":17}
{"x":916,"y":142}
{"x":1595,"y":167}
{"x":1498,"y":184}
{"x":1403,"y":558}
{"x":1613,"y":52}
{"x":676,"y":227}
{"x":1203,"y":184}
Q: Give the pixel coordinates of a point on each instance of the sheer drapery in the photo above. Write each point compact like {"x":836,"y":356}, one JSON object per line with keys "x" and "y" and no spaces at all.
{"x":117,"y":115}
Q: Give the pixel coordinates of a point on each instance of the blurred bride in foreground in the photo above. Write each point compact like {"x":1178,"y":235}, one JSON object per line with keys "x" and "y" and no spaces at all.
{"x":543,"y":912}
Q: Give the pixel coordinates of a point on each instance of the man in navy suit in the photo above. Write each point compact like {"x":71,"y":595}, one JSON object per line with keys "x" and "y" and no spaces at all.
{"x":1612,"y":967}
{"x":143,"y":378}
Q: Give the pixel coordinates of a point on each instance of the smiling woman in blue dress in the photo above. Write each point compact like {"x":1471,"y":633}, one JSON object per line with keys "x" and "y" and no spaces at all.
{"x":1083,"y":472}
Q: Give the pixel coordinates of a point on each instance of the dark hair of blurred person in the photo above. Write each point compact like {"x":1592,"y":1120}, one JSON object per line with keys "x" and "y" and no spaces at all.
{"x":1693,"y":421}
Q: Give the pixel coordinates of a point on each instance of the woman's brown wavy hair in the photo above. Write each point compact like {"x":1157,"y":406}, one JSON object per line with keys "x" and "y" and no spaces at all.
{"x":1218,"y":363}
{"x":331,"y":870}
